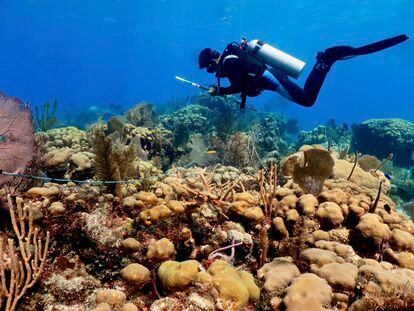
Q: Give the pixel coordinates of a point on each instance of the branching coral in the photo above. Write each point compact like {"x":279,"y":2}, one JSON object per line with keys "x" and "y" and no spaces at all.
{"x":317,"y":167}
{"x":21,"y":267}
{"x":268,"y":193}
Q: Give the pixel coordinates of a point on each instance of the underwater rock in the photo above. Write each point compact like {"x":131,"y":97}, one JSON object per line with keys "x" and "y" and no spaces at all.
{"x":387,"y":281}
{"x":216,"y":210}
{"x":196,"y":302}
{"x":103,"y":307}
{"x":81,"y":162}
{"x":380,"y":137}
{"x":402,"y":259}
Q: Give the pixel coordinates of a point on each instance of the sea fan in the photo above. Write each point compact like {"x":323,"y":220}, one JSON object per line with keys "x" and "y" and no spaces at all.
{"x":311,"y":174}
{"x":16,"y":137}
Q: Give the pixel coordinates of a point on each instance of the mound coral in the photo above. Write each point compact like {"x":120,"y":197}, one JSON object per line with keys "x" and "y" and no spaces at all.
{"x":380,"y":137}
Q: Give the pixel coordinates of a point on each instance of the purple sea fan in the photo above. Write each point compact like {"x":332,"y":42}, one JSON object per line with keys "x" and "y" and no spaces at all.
{"x":16,"y":137}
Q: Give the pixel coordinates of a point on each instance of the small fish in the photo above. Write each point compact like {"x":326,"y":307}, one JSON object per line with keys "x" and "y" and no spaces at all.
{"x":388,"y":176}
{"x":211,"y":152}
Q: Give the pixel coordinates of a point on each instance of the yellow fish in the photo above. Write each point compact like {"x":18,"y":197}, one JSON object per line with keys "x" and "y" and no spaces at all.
{"x":211,"y":152}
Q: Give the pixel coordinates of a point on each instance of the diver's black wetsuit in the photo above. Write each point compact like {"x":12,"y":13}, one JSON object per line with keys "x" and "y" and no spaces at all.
{"x":242,"y":82}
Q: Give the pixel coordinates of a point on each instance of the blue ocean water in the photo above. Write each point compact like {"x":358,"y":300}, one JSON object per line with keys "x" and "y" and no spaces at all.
{"x":100,"y":53}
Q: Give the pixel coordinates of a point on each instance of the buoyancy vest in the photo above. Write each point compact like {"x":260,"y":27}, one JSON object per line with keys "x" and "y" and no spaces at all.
{"x":252,"y":67}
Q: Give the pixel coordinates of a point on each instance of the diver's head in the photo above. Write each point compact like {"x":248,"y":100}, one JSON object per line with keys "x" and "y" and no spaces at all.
{"x":208,"y":58}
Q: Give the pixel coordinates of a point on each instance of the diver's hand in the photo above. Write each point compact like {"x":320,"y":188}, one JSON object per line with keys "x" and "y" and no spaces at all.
{"x":213,"y":91}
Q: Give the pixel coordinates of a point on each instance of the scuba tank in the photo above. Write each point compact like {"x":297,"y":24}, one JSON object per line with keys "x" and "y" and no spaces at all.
{"x":275,"y":58}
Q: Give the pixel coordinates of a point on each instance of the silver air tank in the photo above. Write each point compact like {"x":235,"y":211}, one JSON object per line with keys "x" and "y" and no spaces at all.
{"x":276,"y":58}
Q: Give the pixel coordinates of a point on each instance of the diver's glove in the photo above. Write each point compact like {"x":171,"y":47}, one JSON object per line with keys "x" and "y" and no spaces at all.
{"x":213,"y":91}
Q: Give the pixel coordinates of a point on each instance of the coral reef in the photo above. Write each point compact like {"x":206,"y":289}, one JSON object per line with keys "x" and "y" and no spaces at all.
{"x":268,"y":133}
{"x":195,"y":118}
{"x":193,"y":239}
{"x":380,"y":137}
{"x":328,"y":135}
{"x":320,"y":231}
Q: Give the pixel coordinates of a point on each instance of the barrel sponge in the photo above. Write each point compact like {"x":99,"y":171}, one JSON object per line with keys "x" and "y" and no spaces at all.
{"x":174,"y":274}
{"x":311,"y":174}
{"x":235,"y":288}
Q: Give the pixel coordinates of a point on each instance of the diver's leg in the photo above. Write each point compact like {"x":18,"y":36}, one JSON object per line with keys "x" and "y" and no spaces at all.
{"x":268,"y":81}
{"x":289,"y":89}
{"x":307,"y":96}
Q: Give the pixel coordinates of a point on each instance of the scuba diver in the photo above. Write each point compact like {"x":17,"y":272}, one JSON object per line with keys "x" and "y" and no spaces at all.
{"x":252,"y":67}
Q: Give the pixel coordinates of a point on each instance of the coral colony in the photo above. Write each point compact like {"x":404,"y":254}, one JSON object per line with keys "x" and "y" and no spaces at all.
{"x":204,"y":208}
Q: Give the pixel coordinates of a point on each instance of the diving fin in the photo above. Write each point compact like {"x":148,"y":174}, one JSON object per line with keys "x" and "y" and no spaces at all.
{"x":379,"y":45}
{"x":343,"y":52}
